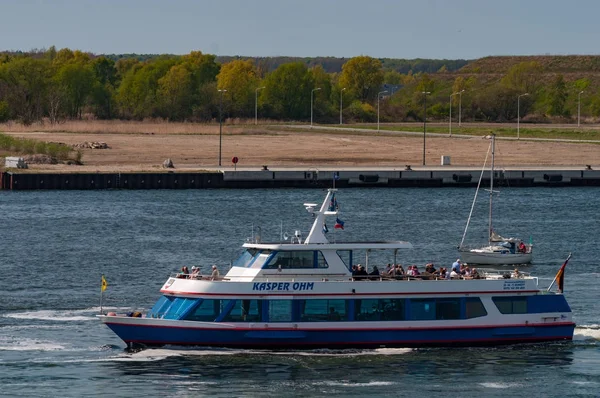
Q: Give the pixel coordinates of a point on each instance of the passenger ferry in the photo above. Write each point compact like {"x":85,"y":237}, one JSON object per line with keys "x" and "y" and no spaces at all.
{"x":302,"y":294}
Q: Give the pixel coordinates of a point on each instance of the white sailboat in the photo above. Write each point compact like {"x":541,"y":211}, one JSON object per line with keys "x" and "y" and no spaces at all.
{"x":499,"y":250}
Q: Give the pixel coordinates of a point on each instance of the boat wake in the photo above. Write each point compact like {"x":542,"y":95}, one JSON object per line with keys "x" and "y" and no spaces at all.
{"x":587,"y":332}
{"x":156,"y":354}
{"x":10,"y":343}
{"x":88,"y":314}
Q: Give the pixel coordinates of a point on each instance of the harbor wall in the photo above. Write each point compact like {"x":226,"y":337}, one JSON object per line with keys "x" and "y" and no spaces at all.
{"x":310,"y":178}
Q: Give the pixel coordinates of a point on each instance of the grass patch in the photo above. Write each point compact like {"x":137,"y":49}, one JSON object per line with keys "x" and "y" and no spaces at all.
{"x":25,"y":146}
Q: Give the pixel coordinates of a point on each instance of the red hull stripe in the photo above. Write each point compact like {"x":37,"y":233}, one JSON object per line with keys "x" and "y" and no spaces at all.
{"x":269,"y":293}
{"x":271,"y":328}
{"x":342,"y":343}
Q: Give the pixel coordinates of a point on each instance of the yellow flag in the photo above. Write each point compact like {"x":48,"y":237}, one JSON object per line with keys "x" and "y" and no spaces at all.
{"x":104,"y":284}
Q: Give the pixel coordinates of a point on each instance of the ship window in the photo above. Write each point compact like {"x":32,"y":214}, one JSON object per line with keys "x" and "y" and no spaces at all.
{"x":280,"y":311}
{"x":422,"y":309}
{"x":346,"y":257}
{"x":475,"y":308}
{"x":296,"y":260}
{"x":392,"y":309}
{"x":260,"y":259}
{"x":179,"y":307}
{"x":511,"y":305}
{"x":323,"y":310}
{"x":207,"y":311}
{"x":245,"y":258}
{"x":160,"y":307}
{"x":245,"y":311}
{"x":447,"y":308}
{"x":366,"y":310}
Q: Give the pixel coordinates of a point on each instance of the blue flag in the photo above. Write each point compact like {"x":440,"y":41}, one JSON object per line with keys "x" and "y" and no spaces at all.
{"x":333,"y":204}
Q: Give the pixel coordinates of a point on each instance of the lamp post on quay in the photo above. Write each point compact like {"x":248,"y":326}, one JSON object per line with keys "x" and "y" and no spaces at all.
{"x":256,"y":105}
{"x":460,"y":107}
{"x":221,"y":124}
{"x":519,"y":115}
{"x":424,"y":121}
{"x":452,"y":95}
{"x":311,"y":104}
{"x":378,"y":97}
{"x":579,"y":108}
{"x":341,"y":102}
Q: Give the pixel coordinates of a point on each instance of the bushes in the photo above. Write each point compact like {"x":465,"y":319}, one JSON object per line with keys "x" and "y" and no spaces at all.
{"x":56,"y":150}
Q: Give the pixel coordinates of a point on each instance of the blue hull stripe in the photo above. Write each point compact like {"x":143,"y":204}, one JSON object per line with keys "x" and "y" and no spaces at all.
{"x":157,"y":335}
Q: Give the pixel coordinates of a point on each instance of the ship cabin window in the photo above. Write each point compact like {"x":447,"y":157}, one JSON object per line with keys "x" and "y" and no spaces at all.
{"x":208,"y":310}
{"x":297,"y":260}
{"x":346,"y":257}
{"x":280,"y":310}
{"x":323,"y":310}
{"x":474,"y":308}
{"x":511,"y":305}
{"x":261,"y":258}
{"x":244,"y":311}
{"x":379,"y":310}
{"x":246,"y":258}
{"x":435,"y":309}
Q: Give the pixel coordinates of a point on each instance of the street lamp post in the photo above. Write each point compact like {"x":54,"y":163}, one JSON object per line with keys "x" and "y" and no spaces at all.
{"x":519,"y":115}
{"x":460,"y":107}
{"x":256,"y":105}
{"x":311,"y":104}
{"x":378,"y":96}
{"x":579,"y":108}
{"x":450,"y":123}
{"x":424,"y":122}
{"x":341,"y":102}
{"x":221,"y":124}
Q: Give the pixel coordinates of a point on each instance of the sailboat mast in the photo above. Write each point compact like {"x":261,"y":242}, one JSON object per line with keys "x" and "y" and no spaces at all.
{"x":491,"y":187}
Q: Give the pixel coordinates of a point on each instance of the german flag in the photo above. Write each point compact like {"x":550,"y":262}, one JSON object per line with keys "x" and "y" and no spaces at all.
{"x":560,"y":275}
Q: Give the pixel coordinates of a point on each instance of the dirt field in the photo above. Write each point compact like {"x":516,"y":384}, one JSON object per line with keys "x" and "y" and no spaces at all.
{"x":198,"y":148}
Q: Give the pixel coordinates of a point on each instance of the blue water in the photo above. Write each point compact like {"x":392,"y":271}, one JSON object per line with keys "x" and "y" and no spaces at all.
{"x":55,"y":245}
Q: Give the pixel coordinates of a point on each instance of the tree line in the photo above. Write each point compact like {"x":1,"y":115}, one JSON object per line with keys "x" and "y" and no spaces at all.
{"x":58,"y":85}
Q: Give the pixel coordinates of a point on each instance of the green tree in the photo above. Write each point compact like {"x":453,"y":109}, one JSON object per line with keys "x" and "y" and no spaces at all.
{"x":287,"y":92}
{"x":524,"y":77}
{"x":175,"y":93}
{"x":75,"y":81}
{"x":324,"y":100}
{"x":24,"y":85}
{"x":240,"y":80}
{"x":363,"y":77}
{"x":557,"y":98}
{"x":103,"y":91}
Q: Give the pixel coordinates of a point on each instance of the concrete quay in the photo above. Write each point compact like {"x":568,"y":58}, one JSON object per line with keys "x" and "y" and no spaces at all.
{"x":305,"y":177}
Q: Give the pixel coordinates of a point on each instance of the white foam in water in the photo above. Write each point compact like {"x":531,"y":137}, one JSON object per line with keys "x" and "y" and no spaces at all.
{"x":88,"y":314}
{"x":587,"y":332}
{"x":26,"y":344}
{"x":500,"y":385}
{"x":347,"y":383}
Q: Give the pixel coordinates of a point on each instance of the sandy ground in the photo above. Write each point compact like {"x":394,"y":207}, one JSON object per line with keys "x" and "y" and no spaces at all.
{"x":257,"y":147}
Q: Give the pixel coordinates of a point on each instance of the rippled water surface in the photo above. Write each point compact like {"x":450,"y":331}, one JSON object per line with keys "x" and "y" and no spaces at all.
{"x":55,"y":245}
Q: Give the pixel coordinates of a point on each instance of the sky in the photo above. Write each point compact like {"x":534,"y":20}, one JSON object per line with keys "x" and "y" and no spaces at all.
{"x":449,"y":29}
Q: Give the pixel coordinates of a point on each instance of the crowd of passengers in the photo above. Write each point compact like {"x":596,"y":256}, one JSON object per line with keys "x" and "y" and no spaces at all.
{"x":396,"y":271}
{"x":197,"y":274}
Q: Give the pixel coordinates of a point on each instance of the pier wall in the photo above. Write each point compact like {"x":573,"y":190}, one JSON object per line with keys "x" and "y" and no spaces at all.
{"x":310,"y":178}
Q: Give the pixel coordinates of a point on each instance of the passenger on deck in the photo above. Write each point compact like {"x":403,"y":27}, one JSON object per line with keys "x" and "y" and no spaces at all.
{"x":522,"y":247}
{"x":185,"y":273}
{"x":215,"y":273}
{"x":375,"y":273}
{"x":454,"y":274}
{"x":196,"y":274}
{"x":467,"y":272}
{"x":361,"y":274}
{"x":388,"y":270}
{"x":442,"y":273}
{"x":429,"y":268}
{"x":456,"y":265}
{"x":399,"y":270}
{"x":475,"y":274}
{"x":516,"y":274}
{"x":415,"y":270}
